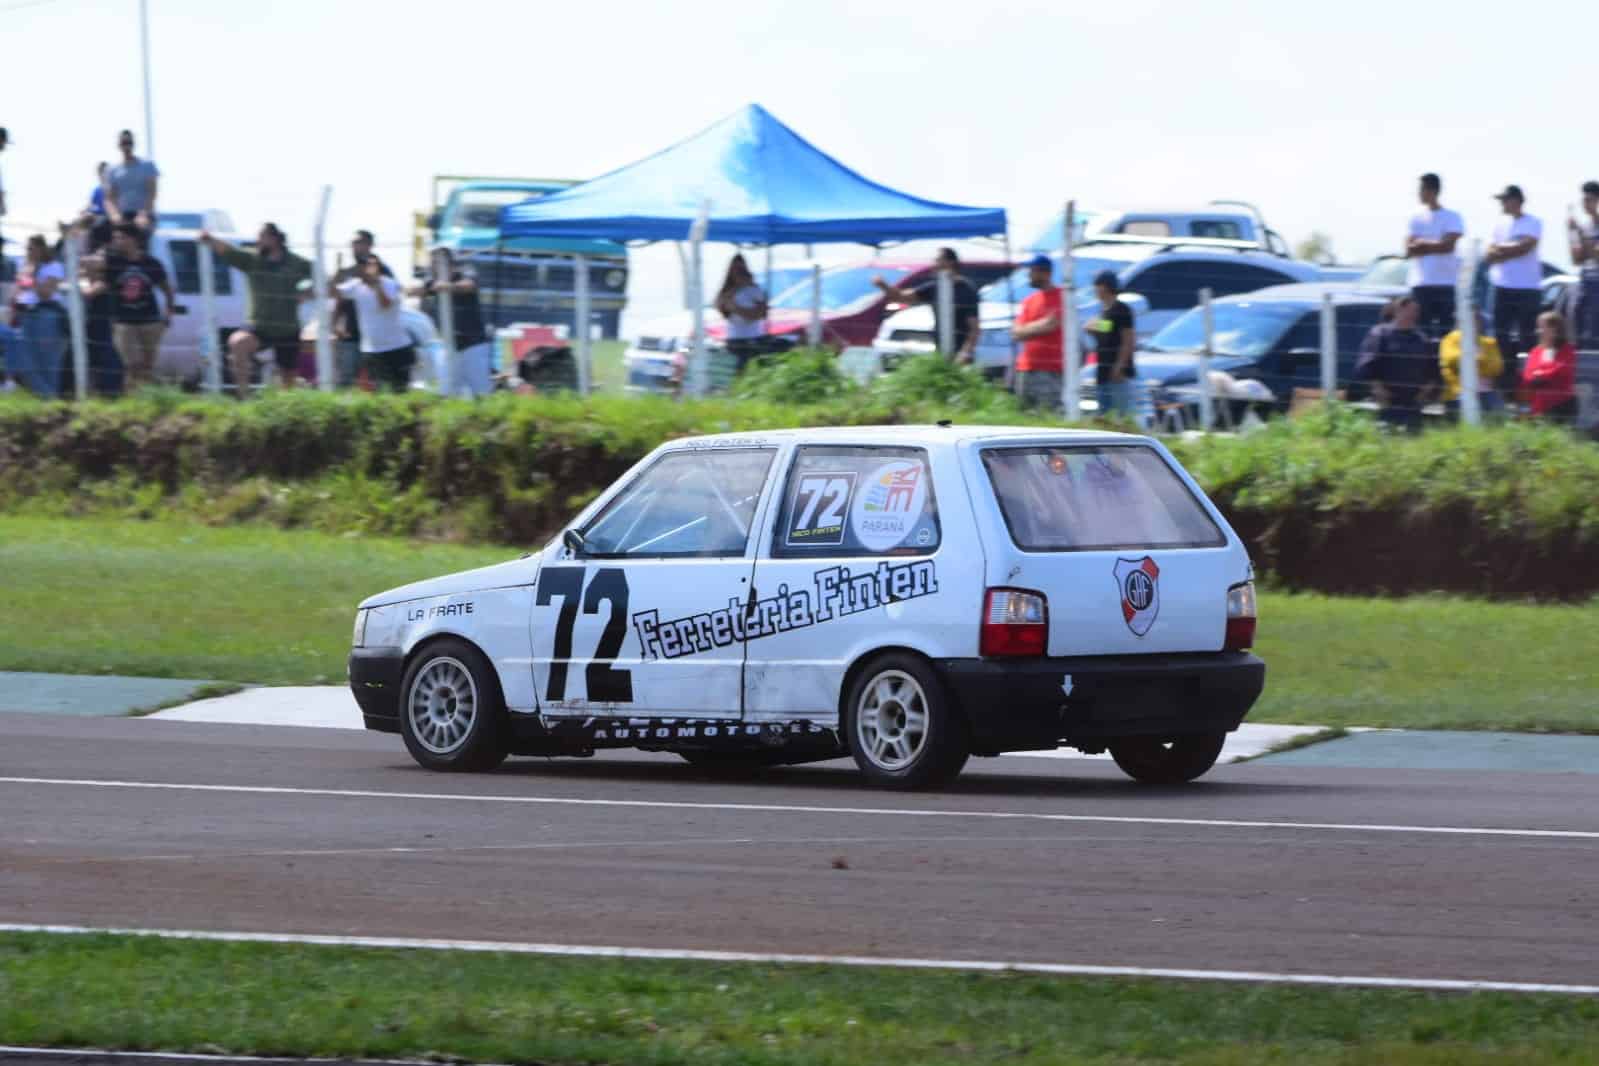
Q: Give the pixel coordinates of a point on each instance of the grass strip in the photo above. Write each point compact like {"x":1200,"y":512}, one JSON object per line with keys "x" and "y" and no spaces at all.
{"x":259,"y":605}
{"x":142,"y":993}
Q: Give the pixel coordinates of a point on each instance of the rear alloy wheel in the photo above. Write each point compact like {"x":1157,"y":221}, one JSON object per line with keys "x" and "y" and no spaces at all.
{"x":451,"y":713}
{"x":1174,"y":761}
{"x":900,"y":727}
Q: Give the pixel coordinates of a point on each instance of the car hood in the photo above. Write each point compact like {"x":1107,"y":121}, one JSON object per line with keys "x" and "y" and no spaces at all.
{"x":498,"y":576}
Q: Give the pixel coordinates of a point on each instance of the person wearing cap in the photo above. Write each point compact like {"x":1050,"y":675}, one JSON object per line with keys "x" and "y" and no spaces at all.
{"x":1434,"y":267}
{"x":272,"y":316}
{"x":1039,"y":363}
{"x":1585,"y":256}
{"x":1113,"y":337}
{"x":1517,"y":277}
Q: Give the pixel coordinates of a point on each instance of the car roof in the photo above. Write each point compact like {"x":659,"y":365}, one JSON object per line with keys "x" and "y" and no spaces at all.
{"x":902,"y":435}
{"x":1310,"y":293}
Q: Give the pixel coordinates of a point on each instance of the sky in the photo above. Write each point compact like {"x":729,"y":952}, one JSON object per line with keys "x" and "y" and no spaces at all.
{"x":1323,"y":115}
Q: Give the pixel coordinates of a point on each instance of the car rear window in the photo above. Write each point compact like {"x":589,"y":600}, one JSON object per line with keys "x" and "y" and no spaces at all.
{"x":1108,"y":498}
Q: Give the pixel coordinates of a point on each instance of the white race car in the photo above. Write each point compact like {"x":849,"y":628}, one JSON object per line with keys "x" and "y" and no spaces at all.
{"x":910,"y":596}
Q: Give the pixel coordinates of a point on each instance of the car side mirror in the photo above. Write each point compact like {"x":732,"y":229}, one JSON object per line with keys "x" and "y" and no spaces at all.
{"x":573,"y":541}
{"x":433,"y":221}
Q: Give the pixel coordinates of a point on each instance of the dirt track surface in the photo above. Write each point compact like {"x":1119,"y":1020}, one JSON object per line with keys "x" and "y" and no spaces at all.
{"x":803,"y":860}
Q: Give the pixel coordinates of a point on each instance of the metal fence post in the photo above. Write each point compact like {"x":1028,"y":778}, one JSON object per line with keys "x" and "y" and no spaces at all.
{"x":1071,"y":344}
{"x":1207,"y":407}
{"x":813,"y":333}
{"x":75,"y":319}
{"x":1466,"y":322}
{"x":210,"y":353}
{"x":946,"y":314}
{"x":580,"y":320}
{"x":443,"y":272}
{"x":326,"y":378}
{"x":1329,"y":349}
{"x":697,"y":370}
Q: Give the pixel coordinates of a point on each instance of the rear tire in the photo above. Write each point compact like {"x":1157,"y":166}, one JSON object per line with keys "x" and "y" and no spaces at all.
{"x":1173,"y":761}
{"x":452,"y":715}
{"x":900,"y":726}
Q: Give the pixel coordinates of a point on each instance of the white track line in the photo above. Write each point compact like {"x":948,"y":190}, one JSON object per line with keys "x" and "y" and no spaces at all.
{"x":690,"y":955}
{"x":185,"y":1056}
{"x":896,"y":812}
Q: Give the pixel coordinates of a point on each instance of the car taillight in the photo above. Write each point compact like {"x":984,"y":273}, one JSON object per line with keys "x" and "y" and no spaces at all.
{"x":1015,"y":623}
{"x":1240,"y":617}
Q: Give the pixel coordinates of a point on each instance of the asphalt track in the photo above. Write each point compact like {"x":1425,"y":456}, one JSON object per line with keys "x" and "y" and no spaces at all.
{"x":1292,"y":870}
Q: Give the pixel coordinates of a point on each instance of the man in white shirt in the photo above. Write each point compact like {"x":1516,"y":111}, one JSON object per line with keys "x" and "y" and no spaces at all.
{"x":1434,"y":266}
{"x":1585,"y":255}
{"x":385,"y":342}
{"x":1517,"y":277}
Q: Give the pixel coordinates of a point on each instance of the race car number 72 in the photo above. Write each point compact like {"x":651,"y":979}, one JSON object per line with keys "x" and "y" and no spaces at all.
{"x":606,"y":684}
{"x":820,"y":501}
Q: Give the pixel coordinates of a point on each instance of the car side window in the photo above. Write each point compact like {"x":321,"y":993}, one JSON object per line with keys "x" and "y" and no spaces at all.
{"x":1175,"y":286}
{"x":186,"y":270}
{"x":1170,"y":286}
{"x":844,"y":500}
{"x":1215,"y":229}
{"x":1145,"y":228}
{"x":697,"y":503}
{"x":1232,"y":278}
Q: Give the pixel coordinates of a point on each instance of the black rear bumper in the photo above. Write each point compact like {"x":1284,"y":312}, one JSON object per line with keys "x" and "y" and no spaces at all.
{"x":1083,"y":701}
{"x":375,"y":675}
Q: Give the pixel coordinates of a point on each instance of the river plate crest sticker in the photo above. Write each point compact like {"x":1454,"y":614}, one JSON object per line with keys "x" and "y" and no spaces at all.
{"x":1139,"y":583}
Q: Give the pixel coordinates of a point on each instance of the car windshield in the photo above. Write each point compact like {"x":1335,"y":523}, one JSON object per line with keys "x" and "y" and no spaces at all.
{"x":1084,"y":268}
{"x":1245,"y":329}
{"x":842,"y":288}
{"x":1387,"y":271}
{"x":480,"y":208}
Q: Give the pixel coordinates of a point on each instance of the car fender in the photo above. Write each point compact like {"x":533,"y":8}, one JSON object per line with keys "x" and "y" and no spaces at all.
{"x":495,"y":621}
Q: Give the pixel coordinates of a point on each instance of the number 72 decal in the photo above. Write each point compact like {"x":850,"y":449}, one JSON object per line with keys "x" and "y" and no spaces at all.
{"x":606,"y":684}
{"x":818,"y":508}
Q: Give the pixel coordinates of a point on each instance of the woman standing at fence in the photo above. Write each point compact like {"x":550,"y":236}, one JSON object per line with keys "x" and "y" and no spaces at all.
{"x":743,"y":303}
{"x":1549,"y":377}
{"x":41,"y":321}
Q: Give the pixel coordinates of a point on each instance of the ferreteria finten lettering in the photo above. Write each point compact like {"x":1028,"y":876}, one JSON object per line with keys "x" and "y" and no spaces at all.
{"x":836,"y":592}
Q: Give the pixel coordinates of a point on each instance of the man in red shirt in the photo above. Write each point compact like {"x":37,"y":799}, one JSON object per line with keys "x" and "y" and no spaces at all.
{"x":1039,"y":364}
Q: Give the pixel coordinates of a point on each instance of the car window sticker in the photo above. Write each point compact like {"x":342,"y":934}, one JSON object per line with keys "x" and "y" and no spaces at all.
{"x":818,"y":506}
{"x":885,"y":512}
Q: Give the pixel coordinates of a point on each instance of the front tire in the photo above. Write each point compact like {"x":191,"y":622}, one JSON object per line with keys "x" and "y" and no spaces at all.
{"x":1157,"y":761}
{"x":900,"y":726}
{"x":452,"y":715}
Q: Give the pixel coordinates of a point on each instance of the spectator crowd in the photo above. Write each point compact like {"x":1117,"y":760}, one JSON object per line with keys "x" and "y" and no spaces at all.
{"x":1413,"y":358}
{"x":129,"y":302}
{"x":1529,"y":360}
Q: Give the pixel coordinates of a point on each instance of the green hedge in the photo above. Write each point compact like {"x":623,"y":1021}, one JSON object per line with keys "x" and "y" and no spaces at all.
{"x":1328,"y":502}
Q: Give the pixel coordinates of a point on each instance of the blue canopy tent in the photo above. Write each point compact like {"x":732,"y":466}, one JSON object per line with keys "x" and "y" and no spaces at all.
{"x":748,"y":179}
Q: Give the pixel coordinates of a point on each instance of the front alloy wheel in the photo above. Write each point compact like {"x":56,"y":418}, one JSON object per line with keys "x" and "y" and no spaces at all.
{"x":452,"y":717}
{"x":901,"y":729}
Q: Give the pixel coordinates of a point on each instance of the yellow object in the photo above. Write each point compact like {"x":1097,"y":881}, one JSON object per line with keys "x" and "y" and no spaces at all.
{"x":1489,"y":363}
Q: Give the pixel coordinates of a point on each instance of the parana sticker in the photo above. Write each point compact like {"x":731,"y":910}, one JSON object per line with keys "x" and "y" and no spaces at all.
{"x":888,"y":504}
